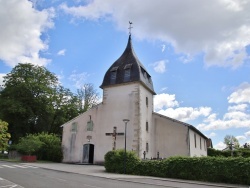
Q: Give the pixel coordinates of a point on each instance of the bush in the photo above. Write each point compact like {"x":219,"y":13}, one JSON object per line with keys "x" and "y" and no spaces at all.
{"x":29,"y":145}
{"x":240,"y":152}
{"x":45,"y":146}
{"x":235,"y":170}
{"x":51,"y":150}
{"x":114,"y":161}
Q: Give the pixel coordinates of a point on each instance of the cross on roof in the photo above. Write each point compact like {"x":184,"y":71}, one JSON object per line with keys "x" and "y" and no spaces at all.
{"x":130,"y":27}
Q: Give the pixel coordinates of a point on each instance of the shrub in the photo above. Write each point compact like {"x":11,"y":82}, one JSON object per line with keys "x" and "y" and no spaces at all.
{"x":29,"y":145}
{"x":114,"y":161}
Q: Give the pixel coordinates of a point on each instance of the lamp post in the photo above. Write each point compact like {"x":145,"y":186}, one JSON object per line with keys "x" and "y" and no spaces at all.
{"x":125,"y":153}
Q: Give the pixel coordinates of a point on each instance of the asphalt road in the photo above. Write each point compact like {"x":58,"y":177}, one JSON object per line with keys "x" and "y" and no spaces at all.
{"x":32,"y":177}
{"x":20,"y":175}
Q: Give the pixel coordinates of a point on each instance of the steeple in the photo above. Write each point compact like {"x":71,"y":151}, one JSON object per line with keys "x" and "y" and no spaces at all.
{"x":127,"y":68}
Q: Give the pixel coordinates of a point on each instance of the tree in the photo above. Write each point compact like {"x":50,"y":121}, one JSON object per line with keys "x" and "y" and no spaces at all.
{"x":4,"y":135}
{"x":88,"y":97}
{"x":33,"y":101}
{"x":229,"y":140}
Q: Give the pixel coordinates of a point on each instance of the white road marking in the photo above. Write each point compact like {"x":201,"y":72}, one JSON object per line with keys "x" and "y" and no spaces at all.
{"x":28,"y":166}
{"x":8,"y":166}
{"x":20,"y":166}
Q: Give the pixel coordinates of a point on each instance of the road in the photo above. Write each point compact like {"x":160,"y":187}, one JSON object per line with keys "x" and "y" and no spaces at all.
{"x":17,"y":175}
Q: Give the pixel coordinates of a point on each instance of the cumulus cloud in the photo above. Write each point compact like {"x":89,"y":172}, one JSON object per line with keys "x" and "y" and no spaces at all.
{"x":247,"y":134}
{"x":240,"y":138}
{"x":159,"y":66}
{"x":78,"y":79}
{"x":238,"y":114}
{"x":164,"y":100}
{"x":218,"y":28}
{"x":186,"y":113}
{"x":61,"y":52}
{"x":1,"y":78}
{"x":241,"y":95}
{"x":163,"y":47}
{"x":220,"y":146}
{"x":20,"y":36}
{"x":211,"y":135}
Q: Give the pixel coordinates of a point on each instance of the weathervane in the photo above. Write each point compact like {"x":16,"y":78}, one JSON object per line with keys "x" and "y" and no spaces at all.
{"x":130,"y":27}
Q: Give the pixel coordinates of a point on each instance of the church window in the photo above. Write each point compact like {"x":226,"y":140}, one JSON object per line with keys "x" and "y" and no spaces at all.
{"x":146,"y":101}
{"x":113,"y":77}
{"x":127,"y":72}
{"x":205,"y":145}
{"x":90,"y":125}
{"x":195,"y":140}
{"x":200,"y":143}
{"x":74,"y":127}
{"x":113,"y":74}
{"x":147,"y":126}
{"x":147,"y":149}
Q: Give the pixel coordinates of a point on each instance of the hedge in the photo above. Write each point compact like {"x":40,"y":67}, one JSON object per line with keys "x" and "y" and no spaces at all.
{"x":209,"y":169}
{"x":240,"y":152}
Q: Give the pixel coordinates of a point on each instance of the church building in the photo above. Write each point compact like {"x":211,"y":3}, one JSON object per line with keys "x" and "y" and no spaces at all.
{"x":125,"y":118}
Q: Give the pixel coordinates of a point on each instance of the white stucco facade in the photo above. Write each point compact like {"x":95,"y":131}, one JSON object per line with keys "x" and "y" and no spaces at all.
{"x":88,"y":137}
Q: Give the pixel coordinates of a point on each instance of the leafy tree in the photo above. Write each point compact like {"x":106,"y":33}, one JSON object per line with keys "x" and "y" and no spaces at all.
{"x":88,"y":97}
{"x":4,"y":135}
{"x":29,"y":145}
{"x":229,"y":140}
{"x":33,"y":101}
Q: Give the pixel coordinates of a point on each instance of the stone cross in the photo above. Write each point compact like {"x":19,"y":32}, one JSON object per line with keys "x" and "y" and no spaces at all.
{"x":114,"y":134}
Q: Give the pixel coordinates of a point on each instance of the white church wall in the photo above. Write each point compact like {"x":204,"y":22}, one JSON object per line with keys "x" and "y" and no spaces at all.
{"x":146,"y":136}
{"x":171,"y":137}
{"x":198,"y":146}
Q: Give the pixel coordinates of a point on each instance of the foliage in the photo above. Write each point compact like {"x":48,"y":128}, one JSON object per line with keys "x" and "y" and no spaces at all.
{"x":51,"y":149}
{"x":114,"y":161}
{"x":230,"y":139}
{"x":29,"y":145}
{"x":45,"y":146}
{"x":235,"y":170}
{"x":4,"y":135}
{"x":239,"y":152}
{"x":87,"y":96}
{"x":33,"y":101}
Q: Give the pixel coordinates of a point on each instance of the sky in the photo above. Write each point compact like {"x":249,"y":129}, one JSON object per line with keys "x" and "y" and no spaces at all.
{"x":196,"y":51}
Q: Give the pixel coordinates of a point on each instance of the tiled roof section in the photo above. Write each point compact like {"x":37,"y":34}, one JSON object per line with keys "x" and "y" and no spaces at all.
{"x":130,"y":65}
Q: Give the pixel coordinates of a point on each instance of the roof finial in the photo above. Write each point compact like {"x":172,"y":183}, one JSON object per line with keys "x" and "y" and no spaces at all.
{"x":130,"y":27}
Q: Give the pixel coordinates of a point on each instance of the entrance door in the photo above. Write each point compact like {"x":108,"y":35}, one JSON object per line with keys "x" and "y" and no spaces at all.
{"x":88,"y":153}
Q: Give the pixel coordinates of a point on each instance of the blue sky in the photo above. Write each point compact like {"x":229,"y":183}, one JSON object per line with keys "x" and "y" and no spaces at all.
{"x":196,"y":51}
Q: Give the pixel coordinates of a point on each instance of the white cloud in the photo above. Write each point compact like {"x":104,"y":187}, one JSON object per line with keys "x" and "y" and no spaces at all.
{"x":164,"y":100}
{"x":186,"y":113}
{"x":218,"y":28}
{"x":78,"y":79}
{"x":211,"y":135}
{"x":21,"y":37}
{"x":1,"y":78}
{"x":220,"y":146}
{"x":159,"y":66}
{"x":61,"y":52}
{"x":240,"y":138}
{"x":241,"y":95}
{"x":240,"y":107}
{"x":247,"y":134}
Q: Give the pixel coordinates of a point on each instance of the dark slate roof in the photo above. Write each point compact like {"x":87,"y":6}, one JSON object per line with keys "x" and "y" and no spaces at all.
{"x":128,"y":60}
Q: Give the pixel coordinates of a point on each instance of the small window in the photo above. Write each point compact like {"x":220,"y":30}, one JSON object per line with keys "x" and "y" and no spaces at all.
{"x":146,"y":101}
{"x":90,"y":125}
{"x":195,"y":140}
{"x":147,"y":149}
{"x":127,"y":75}
{"x":147,"y":126}
{"x":200,"y":143}
{"x":74,"y":127}
{"x":113,"y":77}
